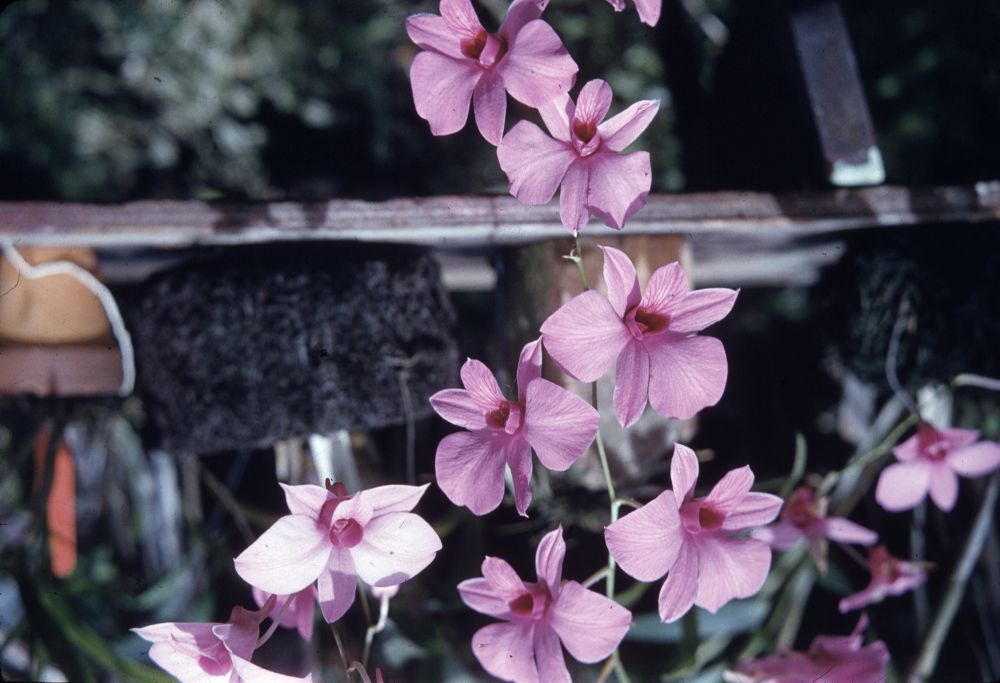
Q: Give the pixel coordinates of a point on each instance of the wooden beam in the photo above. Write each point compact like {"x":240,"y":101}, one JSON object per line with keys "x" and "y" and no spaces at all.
{"x":481,"y":221}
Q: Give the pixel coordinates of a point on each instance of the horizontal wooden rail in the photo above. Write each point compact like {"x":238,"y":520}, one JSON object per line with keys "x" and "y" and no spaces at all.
{"x":480,"y":221}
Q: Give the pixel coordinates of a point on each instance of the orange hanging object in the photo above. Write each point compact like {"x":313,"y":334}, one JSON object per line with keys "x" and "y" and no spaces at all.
{"x":60,"y":506}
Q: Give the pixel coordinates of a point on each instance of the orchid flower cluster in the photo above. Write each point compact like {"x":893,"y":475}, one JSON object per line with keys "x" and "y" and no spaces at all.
{"x":707,"y":548}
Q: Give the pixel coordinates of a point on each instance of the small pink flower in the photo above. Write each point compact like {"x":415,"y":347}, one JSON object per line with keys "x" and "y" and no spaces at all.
{"x":545,"y":417}
{"x":462,"y":61}
{"x":213,"y":653}
{"x":335,"y":538}
{"x":696,"y":541}
{"x":298,"y":615}
{"x":525,"y":646}
{"x":583,"y":155}
{"x":653,"y":339}
{"x":889,"y":576}
{"x":649,"y":10}
{"x":804,"y":516}
{"x":930,"y":460}
{"x":829,"y":659}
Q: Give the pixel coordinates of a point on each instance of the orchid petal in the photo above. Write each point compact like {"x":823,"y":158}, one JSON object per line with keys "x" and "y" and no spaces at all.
{"x":727,"y":494}
{"x":251,"y":673}
{"x":666,"y":287}
{"x":943,"y":486}
{"x":549,"y":656}
{"x":618,"y":185}
{"x":432,"y":32}
{"x":537,"y":67}
{"x":556,"y":114}
{"x":976,"y":460}
{"x":396,"y":547}
{"x":593,"y":102}
{"x":489,"y":104}
{"x":780,"y":536}
{"x":506,"y":651}
{"x":481,"y":384}
{"x":517,"y":454}
{"x":461,"y":17}
{"x":754,"y":510}
{"x":701,"y":308}
{"x":902,"y":485}
{"x":393,"y":498}
{"x":469,"y":468}
{"x":479,"y":595}
{"x":621,"y":280}
{"x":683,"y":472}
{"x":590,"y":625}
{"x":535,"y":163}
{"x":520,"y":13}
{"x":573,"y":197}
{"x":529,"y":366}
{"x":549,"y":560}
{"x":585,"y":336}
{"x":184,"y":667}
{"x":621,"y":130}
{"x":649,"y":11}
{"x":845,"y":531}
{"x":631,"y":383}
{"x":686,"y":375}
{"x":502,"y":578}
{"x":679,"y":590}
{"x":287,"y":557}
{"x":305,"y":499}
{"x":645,"y":543}
{"x":337,"y":585}
{"x":559,"y":425}
{"x":729,"y":568}
{"x":459,"y":408}
{"x":442,"y":89}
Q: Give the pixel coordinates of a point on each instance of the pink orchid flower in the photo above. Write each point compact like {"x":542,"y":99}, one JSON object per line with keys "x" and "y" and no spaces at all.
{"x":334,"y":538}
{"x":558,"y":425}
{"x":525,"y":646}
{"x":298,"y":615}
{"x":829,"y":659}
{"x":696,"y":541}
{"x":653,"y":338}
{"x":462,"y":61}
{"x":213,"y":653}
{"x":889,"y":576}
{"x":930,"y":460}
{"x":804,"y":517}
{"x":649,"y":10}
{"x":583,"y":155}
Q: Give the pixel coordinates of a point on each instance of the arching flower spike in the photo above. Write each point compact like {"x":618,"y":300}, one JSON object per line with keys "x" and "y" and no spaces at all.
{"x":463,"y":62}
{"x":584,"y":156}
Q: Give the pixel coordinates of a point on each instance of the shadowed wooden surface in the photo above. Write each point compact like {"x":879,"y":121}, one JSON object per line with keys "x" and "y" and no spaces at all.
{"x":481,"y":221}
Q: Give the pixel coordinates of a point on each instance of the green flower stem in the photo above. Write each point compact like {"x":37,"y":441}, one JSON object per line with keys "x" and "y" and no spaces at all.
{"x":923,"y":668}
{"x":274,"y":622}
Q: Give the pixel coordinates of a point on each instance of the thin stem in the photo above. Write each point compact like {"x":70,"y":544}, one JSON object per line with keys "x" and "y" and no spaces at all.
{"x":577,"y":257}
{"x":871,"y":456}
{"x":228,"y":501}
{"x":931,"y":648}
{"x":274,"y":621}
{"x":374,"y":629}
{"x":969,"y":380}
{"x":340,"y":645}
{"x":364,"y":607}
{"x":623,"y":501}
{"x":595,"y":577}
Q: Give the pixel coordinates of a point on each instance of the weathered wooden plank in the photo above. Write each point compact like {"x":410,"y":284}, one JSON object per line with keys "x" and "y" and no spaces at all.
{"x":480,"y":221}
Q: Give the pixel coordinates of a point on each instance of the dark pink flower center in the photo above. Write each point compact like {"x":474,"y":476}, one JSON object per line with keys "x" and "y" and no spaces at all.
{"x":532,"y":603}
{"x":586,"y":137}
{"x":642,"y":322}
{"x":803,"y":509}
{"x":215,"y":660}
{"x":699,"y":515}
{"x":346,"y":533}
{"x":508,"y":416}
{"x":584,"y":130}
{"x":485,"y":48}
